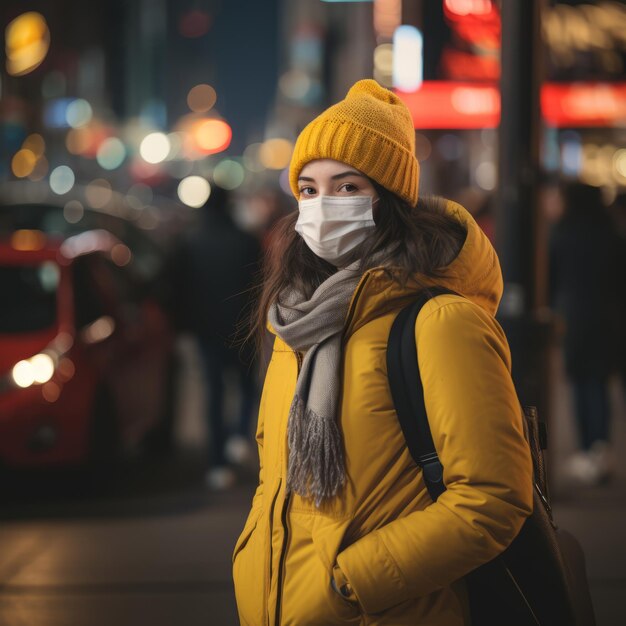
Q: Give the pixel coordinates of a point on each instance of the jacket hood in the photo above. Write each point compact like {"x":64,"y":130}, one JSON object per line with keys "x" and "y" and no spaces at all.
{"x":475,"y":274}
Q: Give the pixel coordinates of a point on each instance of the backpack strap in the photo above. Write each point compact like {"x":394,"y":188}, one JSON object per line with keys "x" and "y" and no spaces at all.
{"x":407,"y":391}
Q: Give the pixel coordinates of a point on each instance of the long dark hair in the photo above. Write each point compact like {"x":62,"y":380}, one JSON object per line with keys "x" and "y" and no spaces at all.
{"x":421,"y":239}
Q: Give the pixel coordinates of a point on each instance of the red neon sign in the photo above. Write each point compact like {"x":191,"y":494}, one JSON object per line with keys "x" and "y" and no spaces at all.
{"x":449,"y":104}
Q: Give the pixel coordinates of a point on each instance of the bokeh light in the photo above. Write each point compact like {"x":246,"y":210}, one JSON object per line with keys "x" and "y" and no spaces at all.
{"x":55,"y":112}
{"x":154,"y":148}
{"x":229,"y":174}
{"x":383,"y":58}
{"x":194,"y":23}
{"x":468,"y":7}
{"x":51,"y":392}
{"x":78,"y":113}
{"x":86,"y":140}
{"x":62,"y":179}
{"x":619,"y":164}
{"x":194,"y":191}
{"x":23,"y":163}
{"x":592,"y":171}
{"x":35,"y":143}
{"x":99,"y":193}
{"x":486,"y":175}
{"x":24,"y":239}
{"x":99,"y":330}
{"x":387,"y":17}
{"x":111,"y":153}
{"x":73,"y":212}
{"x":275,"y":154}
{"x":383,"y":64}
{"x":408,"y":58}
{"x":78,"y":140}
{"x":49,"y":275}
{"x":66,"y":369}
{"x":571,"y":153}
{"x":201,"y":98}
{"x":23,"y":374}
{"x":27,"y":40}
{"x":295,"y":84}
{"x":121,"y":254}
{"x":252,"y":159}
{"x":43,"y":368}
{"x":212,"y":135}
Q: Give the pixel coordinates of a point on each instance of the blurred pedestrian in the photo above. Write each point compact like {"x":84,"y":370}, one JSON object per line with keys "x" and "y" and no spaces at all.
{"x":262,"y":209}
{"x":585,"y":279}
{"x":618,"y":215}
{"x":215,"y":268}
{"x":342,"y":529}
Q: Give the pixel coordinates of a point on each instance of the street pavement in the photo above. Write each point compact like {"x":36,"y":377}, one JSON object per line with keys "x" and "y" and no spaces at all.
{"x":151,"y":545}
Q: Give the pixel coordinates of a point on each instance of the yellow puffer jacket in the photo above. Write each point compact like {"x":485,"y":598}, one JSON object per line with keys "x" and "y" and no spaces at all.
{"x":403,"y":555}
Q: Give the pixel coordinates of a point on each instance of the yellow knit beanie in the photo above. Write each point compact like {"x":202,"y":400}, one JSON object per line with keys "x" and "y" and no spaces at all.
{"x":371,"y":130}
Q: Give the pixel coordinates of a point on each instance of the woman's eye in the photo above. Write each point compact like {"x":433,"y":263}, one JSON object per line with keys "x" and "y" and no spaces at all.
{"x":307,"y":191}
{"x":349,"y":187}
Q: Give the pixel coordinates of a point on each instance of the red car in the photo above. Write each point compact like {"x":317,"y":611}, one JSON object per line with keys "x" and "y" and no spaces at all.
{"x":87,"y":360}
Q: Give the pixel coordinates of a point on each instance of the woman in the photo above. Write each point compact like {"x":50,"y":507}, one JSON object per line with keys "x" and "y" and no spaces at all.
{"x":342,"y":530}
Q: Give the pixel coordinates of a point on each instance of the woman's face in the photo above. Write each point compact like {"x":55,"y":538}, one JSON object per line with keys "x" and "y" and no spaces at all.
{"x":325,"y":177}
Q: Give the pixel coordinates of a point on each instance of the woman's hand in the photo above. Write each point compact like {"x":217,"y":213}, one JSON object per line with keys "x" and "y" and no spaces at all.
{"x":341,"y":586}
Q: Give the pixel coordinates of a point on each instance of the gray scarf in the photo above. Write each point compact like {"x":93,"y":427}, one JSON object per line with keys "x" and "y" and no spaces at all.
{"x":316,"y":466}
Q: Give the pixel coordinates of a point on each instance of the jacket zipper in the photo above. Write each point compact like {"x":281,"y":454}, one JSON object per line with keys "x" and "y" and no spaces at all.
{"x":283,"y":555}
{"x":269,"y":579}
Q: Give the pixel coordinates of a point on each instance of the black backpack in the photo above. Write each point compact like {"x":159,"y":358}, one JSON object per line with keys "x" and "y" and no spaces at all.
{"x":540,"y":578}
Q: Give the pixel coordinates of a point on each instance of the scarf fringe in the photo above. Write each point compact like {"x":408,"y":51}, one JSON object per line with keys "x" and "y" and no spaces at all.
{"x":316,"y":464}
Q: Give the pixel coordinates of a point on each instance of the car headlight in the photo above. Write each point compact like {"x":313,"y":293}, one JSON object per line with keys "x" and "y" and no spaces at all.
{"x":38,"y":369}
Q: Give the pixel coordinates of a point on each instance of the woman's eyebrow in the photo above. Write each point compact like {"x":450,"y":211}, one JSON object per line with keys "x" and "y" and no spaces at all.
{"x":336,"y":176}
{"x":346,"y":174}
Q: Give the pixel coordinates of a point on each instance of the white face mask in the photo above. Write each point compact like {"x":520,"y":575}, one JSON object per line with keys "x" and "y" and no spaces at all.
{"x":333,"y":226}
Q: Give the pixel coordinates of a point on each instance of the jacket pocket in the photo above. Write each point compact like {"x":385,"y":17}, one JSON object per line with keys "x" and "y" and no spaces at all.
{"x":248,"y":572}
{"x":338,"y":609}
{"x":246,"y":533}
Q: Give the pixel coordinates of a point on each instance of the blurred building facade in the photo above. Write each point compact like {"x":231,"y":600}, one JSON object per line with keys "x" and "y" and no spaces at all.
{"x":153,"y":93}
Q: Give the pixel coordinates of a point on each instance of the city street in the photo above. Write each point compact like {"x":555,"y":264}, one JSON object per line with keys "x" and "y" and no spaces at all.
{"x":153,"y":545}
{"x":176,"y":177}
